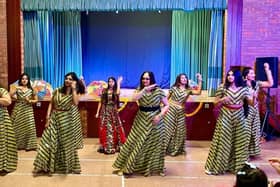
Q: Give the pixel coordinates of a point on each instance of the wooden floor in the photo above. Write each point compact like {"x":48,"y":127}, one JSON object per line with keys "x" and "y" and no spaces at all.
{"x":97,"y":170}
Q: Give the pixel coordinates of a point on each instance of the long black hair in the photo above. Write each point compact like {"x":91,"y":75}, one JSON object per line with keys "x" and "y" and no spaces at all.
{"x":28,"y":80}
{"x":115,"y":96}
{"x":237,"y":78}
{"x":152,"y":79}
{"x":245,"y":72}
{"x":80,"y":86}
{"x":178,"y":81}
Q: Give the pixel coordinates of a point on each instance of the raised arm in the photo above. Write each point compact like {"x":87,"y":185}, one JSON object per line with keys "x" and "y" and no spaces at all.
{"x":198,"y":90}
{"x":119,"y":81}
{"x":139,"y":93}
{"x":269,"y":83}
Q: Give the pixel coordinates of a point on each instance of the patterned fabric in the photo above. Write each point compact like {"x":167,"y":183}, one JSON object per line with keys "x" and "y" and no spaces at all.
{"x":8,"y":147}
{"x":229,"y":147}
{"x":254,"y":123}
{"x":23,"y":121}
{"x":175,"y":126}
{"x":143,"y":151}
{"x":111,"y":131}
{"x":77,"y":127}
{"x":57,"y":152}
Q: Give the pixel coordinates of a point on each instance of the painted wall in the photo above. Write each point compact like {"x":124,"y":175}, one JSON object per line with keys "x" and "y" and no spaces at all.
{"x":261,"y":35}
{"x":3,"y":45}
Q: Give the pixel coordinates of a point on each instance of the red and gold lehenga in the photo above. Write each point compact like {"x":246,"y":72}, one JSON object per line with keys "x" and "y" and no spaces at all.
{"x":111,"y":132}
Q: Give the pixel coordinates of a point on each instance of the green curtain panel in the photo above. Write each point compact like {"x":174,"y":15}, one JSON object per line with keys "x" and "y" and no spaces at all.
{"x":32,"y":46}
{"x":128,"y":5}
{"x":190,"y":44}
{"x":215,"y":58}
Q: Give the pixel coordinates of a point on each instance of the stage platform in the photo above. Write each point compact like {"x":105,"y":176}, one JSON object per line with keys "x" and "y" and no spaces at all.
{"x":181,"y":171}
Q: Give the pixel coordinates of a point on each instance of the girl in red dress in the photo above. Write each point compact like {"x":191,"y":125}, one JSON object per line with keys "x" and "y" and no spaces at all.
{"x":111,"y":132}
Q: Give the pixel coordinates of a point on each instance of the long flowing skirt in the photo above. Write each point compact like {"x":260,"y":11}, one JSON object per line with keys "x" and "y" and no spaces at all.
{"x":254,"y":123}
{"x":8,"y":148}
{"x":57,"y":153}
{"x":143,"y":152}
{"x":77,"y":125}
{"x":175,"y":131}
{"x":111,"y":131}
{"x":24,"y":124}
{"x":229,"y":147}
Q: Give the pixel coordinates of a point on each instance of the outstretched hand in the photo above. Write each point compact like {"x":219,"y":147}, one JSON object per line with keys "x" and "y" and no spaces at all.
{"x":266,"y":66}
{"x":275,"y":163}
{"x":150,"y":87}
{"x":199,"y":77}
{"x":120,"y":79}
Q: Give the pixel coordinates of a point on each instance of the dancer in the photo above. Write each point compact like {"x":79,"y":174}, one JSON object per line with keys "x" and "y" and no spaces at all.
{"x":23,"y":115}
{"x":57,"y":153}
{"x":143,"y":152}
{"x":175,"y":125}
{"x":111,"y":132}
{"x":229,"y":147}
{"x":253,"y":118}
{"x":8,"y":147}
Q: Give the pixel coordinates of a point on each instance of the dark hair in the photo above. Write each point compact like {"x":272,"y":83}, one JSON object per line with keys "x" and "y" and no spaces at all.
{"x":237,"y":78}
{"x":80,"y":86}
{"x":251,"y":177}
{"x":245,"y":72}
{"x":152,"y":78}
{"x":28,"y":82}
{"x":115,"y":97}
{"x":178,"y":81}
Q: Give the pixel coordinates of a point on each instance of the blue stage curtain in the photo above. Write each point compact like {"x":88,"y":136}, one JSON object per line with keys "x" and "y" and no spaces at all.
{"x":32,"y":50}
{"x":45,"y":20}
{"x":67,"y":45}
{"x":126,"y":44}
{"x":128,"y":5}
{"x":52,"y":45}
{"x":190,"y":44}
{"x":215,"y":59}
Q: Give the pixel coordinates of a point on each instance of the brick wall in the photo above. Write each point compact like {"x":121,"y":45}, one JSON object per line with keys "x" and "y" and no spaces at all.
{"x":261,"y":34}
{"x":3,"y":45}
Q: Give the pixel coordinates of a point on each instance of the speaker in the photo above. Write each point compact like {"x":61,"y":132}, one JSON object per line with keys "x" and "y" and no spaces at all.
{"x":273,"y":66}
